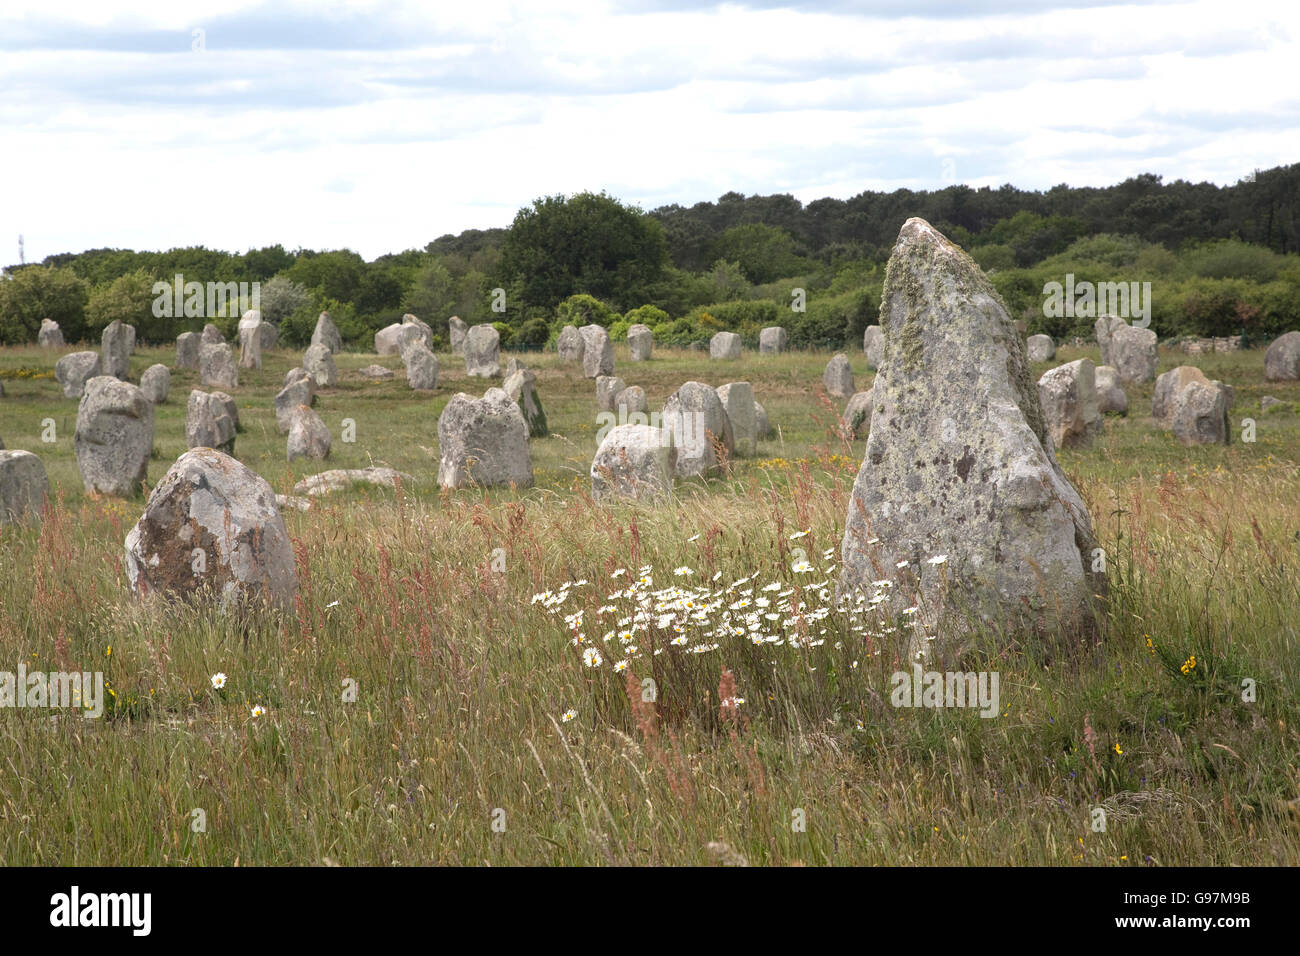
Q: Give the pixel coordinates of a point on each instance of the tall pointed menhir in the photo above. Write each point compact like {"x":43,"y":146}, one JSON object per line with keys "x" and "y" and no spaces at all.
{"x":959,"y":464}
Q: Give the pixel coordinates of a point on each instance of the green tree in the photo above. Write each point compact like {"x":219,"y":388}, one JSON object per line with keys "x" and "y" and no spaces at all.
{"x":129,"y":299}
{"x":588,"y":243}
{"x":764,"y":253}
{"x":281,"y":297}
{"x":37,"y":292}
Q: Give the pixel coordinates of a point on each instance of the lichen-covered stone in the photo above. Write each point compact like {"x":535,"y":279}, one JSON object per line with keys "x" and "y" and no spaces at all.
{"x":23,"y":486}
{"x":217,"y":368}
{"x":569,"y":345}
{"x":1068,"y":394}
{"x":838,"y":377}
{"x":633,"y":461}
{"x":1282,"y":358}
{"x":738,"y":401}
{"x":483,"y":441}
{"x":301,"y":391}
{"x":1133,"y":354}
{"x":308,"y":435}
{"x":724,"y":346}
{"x":319,"y":363}
{"x":115,"y":350}
{"x":597,"y":351}
{"x":607,"y":386}
{"x":456,"y":332}
{"x":960,"y":501}
{"x":73,"y":370}
{"x":520,"y":386}
{"x":1200,"y":414}
{"x":873,"y":344}
{"x":156,"y":382}
{"x":421,"y":367}
{"x":483,"y":351}
{"x":856,"y":421}
{"x":1040,"y":348}
{"x":640,"y":342}
{"x":695,"y":420}
{"x":327,"y":333}
{"x":209,"y":423}
{"x":187,"y":349}
{"x":773,"y":340}
{"x":1111,"y":397}
{"x":50,"y":335}
{"x":114,"y":437}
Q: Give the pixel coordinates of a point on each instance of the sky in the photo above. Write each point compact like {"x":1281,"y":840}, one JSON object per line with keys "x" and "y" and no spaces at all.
{"x":380,"y":126}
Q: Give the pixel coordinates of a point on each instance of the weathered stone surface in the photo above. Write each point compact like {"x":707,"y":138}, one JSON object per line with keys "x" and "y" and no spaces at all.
{"x":483,"y":351}
{"x":217,"y":367}
{"x":376,"y":372}
{"x":773,"y":340}
{"x":250,"y":343}
{"x":597,"y":351}
{"x":425,"y":331}
{"x":421,"y":367}
{"x":294,"y":374}
{"x":1268,"y":401}
{"x":338,"y":479}
{"x":23,"y":487}
{"x":1167,"y":388}
{"x":319,"y":363}
{"x":74,"y":370}
{"x":211,"y":529}
{"x":130,"y":339}
{"x":873,"y":344}
{"x":608,"y":386}
{"x":456,"y":332}
{"x":838,"y":377}
{"x":1200,"y":414}
{"x":738,"y":401}
{"x":156,"y":382}
{"x":1068,"y":394}
{"x":765,"y":429}
{"x":1040,"y":348}
{"x":392,"y":339}
{"x":513,"y":365}
{"x":959,"y":466}
{"x":115,"y":350}
{"x":483,"y":441}
{"x":211,"y":336}
{"x":50,"y":336}
{"x":231,"y":410}
{"x":1111,"y":397}
{"x":308,"y":436}
{"x":114,"y":437}
{"x":301,"y":391}
{"x":327,"y":333}
{"x":267,"y":334}
{"x":724,"y":345}
{"x":187,"y":349}
{"x":640,"y":342}
{"x":285,"y":502}
{"x":633,"y":461}
{"x":1104,"y":328}
{"x":1282,"y":358}
{"x":631,"y":401}
{"x":694,"y":418}
{"x":520,"y":386}
{"x":1134,"y":355}
{"x":569,"y":345}
{"x":208,"y":422}
{"x":856,"y":421}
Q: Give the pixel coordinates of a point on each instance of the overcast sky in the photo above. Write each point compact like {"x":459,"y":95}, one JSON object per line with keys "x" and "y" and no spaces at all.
{"x":379,"y":126}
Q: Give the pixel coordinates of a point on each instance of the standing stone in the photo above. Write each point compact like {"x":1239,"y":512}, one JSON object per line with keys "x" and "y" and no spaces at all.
{"x":1133,"y":352}
{"x":1166,"y":392}
{"x":319,"y":363}
{"x":597,"y":351}
{"x":301,"y":391}
{"x":1068,"y":394}
{"x":389,"y":339}
{"x":74,"y":370}
{"x":1200,"y":414}
{"x":1268,"y":401}
{"x":569,"y":345}
{"x":297,"y":373}
{"x":187,"y":349}
{"x":217,"y":367}
{"x":838,"y":377}
{"x":630,"y":401}
{"x":695,"y":420}
{"x":208,"y":422}
{"x":49,"y":337}
{"x":633,"y":461}
{"x":765,"y":429}
{"x":421,"y":367}
{"x":857,"y":416}
{"x":608,"y":386}
{"x":267,"y":334}
{"x":1111,"y":398}
{"x":114,"y":437}
{"x":773,"y":340}
{"x":456,"y":332}
{"x":738,"y":401}
{"x":1040,"y":348}
{"x":130,"y":339}
{"x":482,"y":352}
{"x":519,"y":385}
{"x":210,"y":503}
{"x":308,"y":436}
{"x":873,"y":344}
{"x":115,"y":351}
{"x":327,"y":333}
{"x":377,"y":372}
{"x":483,"y":441}
{"x":156,"y":383}
{"x":1282,"y":359}
{"x":23,"y":487}
{"x":970,"y":482}
{"x":640,"y":342}
{"x":425,"y":335}
{"x":250,"y":344}
{"x":212,"y":335}
{"x":228,"y":404}
{"x":724,"y":345}
{"x":1105,"y":328}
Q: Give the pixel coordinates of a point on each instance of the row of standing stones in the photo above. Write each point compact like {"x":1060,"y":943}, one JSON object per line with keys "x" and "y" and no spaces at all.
{"x":960,"y":505}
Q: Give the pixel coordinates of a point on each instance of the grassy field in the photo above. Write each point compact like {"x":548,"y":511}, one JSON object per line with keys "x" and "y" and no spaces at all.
{"x":456,"y":748}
